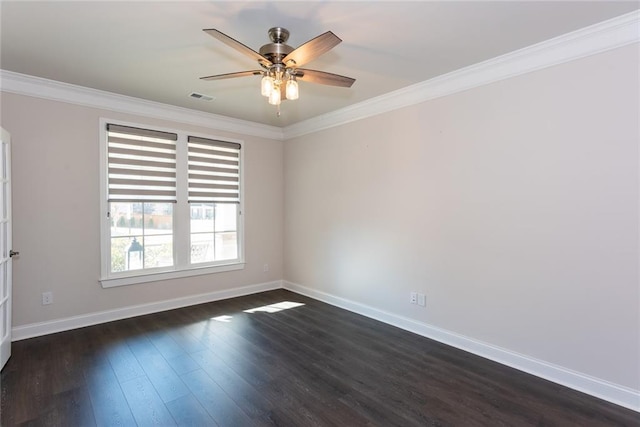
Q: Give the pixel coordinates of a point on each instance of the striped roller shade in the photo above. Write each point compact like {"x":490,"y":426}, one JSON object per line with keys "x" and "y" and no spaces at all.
{"x":142,"y":165}
{"x":214,"y":171}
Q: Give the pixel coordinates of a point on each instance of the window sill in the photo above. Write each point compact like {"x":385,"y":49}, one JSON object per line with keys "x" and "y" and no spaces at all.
{"x":166,"y":275}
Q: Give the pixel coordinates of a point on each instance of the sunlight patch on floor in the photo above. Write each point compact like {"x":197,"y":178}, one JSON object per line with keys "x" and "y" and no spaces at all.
{"x":271,"y":308}
{"x":224,"y":318}
{"x":274,"y":308}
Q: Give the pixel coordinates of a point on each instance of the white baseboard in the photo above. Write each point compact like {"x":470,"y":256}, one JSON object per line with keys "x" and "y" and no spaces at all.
{"x":58,"y":325}
{"x":614,"y":393}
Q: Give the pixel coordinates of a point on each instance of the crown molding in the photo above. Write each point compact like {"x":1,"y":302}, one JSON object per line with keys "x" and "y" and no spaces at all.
{"x":601,"y":37}
{"x":23,"y":84}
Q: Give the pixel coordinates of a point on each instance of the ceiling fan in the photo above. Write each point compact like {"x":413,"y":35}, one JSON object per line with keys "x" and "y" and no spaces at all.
{"x":279,"y":63}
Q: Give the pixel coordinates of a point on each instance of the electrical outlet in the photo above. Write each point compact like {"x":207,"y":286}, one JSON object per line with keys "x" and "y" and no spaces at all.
{"x":414,"y":298}
{"x":265,"y":267}
{"x":47,"y":298}
{"x":422,"y":300}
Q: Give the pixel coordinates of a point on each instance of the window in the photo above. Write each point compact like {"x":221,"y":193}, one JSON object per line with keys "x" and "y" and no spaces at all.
{"x":171,"y":205}
{"x":214,"y":194}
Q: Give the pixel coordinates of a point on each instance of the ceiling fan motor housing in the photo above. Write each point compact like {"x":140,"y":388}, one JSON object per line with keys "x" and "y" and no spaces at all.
{"x":277,"y":50}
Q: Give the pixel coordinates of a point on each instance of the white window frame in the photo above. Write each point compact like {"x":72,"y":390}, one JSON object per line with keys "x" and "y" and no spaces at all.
{"x":182,"y":266}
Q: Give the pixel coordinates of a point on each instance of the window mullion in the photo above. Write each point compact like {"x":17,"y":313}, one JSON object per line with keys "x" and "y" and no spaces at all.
{"x":182,"y":244}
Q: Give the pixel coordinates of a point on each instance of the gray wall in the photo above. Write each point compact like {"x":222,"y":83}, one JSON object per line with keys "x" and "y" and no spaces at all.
{"x":513,"y":206}
{"x":56,"y":208}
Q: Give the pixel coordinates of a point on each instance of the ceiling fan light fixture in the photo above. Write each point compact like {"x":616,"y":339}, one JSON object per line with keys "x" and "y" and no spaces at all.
{"x":274,"y":96}
{"x":292,"y":89}
{"x":279,"y":63}
{"x":266,"y":85}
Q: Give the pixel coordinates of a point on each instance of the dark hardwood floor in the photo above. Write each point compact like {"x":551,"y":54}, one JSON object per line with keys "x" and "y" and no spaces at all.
{"x":311,"y":365}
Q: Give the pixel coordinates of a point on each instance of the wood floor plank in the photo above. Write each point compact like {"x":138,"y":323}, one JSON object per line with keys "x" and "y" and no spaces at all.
{"x":252,"y":403}
{"x":145,"y":403}
{"x":68,"y":408}
{"x":187,"y":411}
{"x":33,"y":393}
{"x":165,"y":344}
{"x":215,"y":401}
{"x":164,"y":379}
{"x":109,"y":404}
{"x":67,"y":364}
{"x":290,"y":407}
{"x":187,"y":342}
{"x":183,"y":364}
{"x":124,"y":363}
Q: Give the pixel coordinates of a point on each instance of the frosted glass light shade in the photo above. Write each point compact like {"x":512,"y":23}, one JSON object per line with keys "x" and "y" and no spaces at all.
{"x":274,"y":96}
{"x":292,"y":89}
{"x":266,"y":86}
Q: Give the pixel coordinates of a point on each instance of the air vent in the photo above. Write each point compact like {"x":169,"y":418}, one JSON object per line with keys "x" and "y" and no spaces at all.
{"x":201,"y":96}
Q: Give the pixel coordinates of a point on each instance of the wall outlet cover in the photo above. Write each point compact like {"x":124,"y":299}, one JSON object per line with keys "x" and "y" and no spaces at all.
{"x":47,"y":298}
{"x":422,"y":300}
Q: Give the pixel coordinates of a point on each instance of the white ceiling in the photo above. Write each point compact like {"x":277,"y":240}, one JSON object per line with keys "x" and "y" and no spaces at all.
{"x":156,"y":50}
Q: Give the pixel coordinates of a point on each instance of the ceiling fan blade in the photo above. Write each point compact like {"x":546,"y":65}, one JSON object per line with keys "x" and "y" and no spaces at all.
{"x":323,"y":78}
{"x":231,"y":42}
{"x":312,"y":49}
{"x":232,"y":75}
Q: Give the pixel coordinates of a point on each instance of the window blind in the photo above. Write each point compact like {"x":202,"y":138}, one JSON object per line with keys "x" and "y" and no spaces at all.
{"x":142,"y":165}
{"x":214,"y":171}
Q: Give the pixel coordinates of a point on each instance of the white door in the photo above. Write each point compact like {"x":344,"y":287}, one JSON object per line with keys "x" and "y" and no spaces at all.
{"x":5,"y":247}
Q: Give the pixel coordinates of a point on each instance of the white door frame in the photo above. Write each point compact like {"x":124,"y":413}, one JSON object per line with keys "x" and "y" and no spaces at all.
{"x":6,"y":252}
